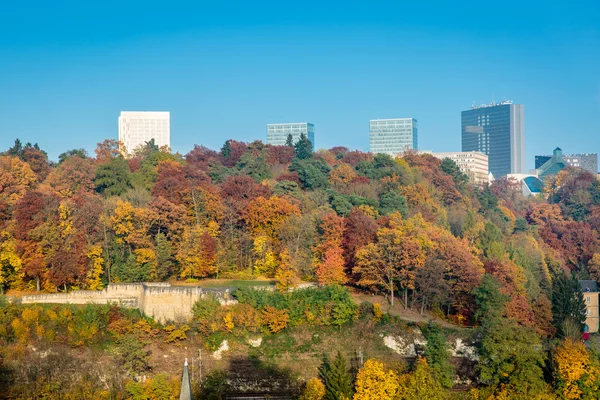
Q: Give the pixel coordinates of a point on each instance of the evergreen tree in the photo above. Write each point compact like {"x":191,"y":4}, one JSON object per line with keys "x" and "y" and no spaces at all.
{"x":303,"y":147}
{"x":391,"y":202}
{"x":16,"y":150}
{"x":164,"y":256}
{"x":226,"y":149}
{"x":567,"y":302}
{"x":290,"y":140}
{"x":337,"y":378}
{"x":451,"y":168}
{"x":438,"y":356}
{"x":490,"y":302}
{"x":113,"y":178}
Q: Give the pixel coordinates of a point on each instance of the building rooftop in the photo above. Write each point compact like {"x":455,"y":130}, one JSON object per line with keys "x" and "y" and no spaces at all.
{"x":588,"y":286}
{"x":492,"y":104}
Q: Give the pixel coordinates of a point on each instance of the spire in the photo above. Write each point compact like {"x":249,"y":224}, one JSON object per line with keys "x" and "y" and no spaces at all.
{"x":186,"y":386}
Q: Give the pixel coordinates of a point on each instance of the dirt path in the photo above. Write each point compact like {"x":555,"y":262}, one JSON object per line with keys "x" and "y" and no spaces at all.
{"x":398,"y":309}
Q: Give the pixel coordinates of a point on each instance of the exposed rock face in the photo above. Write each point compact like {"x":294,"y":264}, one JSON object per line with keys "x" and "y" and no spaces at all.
{"x":462,"y":349}
{"x":399,"y":345}
{"x":255,"y":342}
{"x":218,"y":354}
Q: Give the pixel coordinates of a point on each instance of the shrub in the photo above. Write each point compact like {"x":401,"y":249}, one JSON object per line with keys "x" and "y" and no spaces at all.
{"x":330,"y":305}
{"x":275,"y":319}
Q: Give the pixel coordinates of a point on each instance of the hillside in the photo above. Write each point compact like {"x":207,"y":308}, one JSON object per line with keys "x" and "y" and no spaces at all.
{"x":411,"y":230}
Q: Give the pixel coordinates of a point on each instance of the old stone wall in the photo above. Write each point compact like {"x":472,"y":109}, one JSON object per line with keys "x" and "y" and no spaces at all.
{"x":160,"y":301}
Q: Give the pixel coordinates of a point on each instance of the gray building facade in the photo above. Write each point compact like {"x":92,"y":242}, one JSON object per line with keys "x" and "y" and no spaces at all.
{"x":277,"y":134}
{"x":393,"y":136}
{"x":586,"y":161}
{"x":498,"y":130}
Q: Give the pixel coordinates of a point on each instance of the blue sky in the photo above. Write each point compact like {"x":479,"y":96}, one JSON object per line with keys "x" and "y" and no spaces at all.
{"x":67,"y":69}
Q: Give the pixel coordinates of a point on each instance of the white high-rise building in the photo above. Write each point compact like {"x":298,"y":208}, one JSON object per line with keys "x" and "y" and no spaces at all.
{"x":472,"y":163}
{"x":138,"y":127}
{"x":393,"y":136}
{"x":277,"y":134}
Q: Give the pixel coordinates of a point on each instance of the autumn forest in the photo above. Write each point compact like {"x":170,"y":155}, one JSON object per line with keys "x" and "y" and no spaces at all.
{"x":411,"y":228}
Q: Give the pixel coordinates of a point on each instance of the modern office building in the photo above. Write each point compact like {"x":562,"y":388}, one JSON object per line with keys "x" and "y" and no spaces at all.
{"x":138,"y":127}
{"x":472,"y":163}
{"x":587,"y":161}
{"x":393,"y":136}
{"x":496,"y":129}
{"x":277,"y":134}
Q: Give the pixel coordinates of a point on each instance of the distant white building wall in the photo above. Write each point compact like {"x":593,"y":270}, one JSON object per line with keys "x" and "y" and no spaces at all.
{"x":138,"y":127}
{"x":277,"y":134}
{"x":393,"y":136}
{"x":472,"y":163}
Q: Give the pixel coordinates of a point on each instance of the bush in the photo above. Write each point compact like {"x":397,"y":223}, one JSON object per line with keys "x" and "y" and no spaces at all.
{"x":331,"y":305}
{"x":275,"y":319}
{"x":365,"y":310}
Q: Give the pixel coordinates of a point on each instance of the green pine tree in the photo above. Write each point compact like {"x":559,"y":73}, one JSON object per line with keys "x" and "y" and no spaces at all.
{"x":438,"y":356}
{"x":567,"y":302}
{"x":303,"y":147}
{"x":337,"y":378}
{"x":164,"y":256}
{"x":290,"y":140}
{"x":226,"y":149}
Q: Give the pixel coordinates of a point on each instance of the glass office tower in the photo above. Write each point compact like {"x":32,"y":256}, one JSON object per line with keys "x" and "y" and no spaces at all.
{"x":277,"y":133}
{"x":498,"y":131}
{"x":393,"y":136}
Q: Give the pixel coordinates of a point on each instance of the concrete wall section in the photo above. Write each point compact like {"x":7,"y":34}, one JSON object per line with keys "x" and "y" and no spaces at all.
{"x":160,"y":301}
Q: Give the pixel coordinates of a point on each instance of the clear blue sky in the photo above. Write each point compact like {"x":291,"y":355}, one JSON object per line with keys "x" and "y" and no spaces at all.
{"x":225,"y":69}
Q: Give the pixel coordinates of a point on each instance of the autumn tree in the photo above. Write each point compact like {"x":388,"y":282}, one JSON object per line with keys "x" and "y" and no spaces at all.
{"x":392,"y":261}
{"x":197,"y":254}
{"x":421,"y":384}
{"x":313,"y":390}
{"x":373,"y":382}
{"x":576,"y":373}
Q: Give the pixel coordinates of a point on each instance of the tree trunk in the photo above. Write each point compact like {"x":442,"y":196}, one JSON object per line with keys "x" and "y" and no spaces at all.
{"x":392,"y":292}
{"x":422,"y":306}
{"x":405,"y":298}
{"x":37,"y":282}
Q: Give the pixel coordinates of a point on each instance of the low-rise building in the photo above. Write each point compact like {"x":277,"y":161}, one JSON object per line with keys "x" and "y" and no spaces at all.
{"x":551,"y":165}
{"x":472,"y":163}
{"x":590,"y":298}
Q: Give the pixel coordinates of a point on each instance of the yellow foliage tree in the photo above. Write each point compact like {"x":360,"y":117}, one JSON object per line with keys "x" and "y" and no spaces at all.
{"x":147,"y":257}
{"x":286,"y":276}
{"x":197,"y":253}
{"x":94,"y":276}
{"x":314,"y":390}
{"x":576,"y":373}
{"x":265,"y":262}
{"x":373,"y":382}
{"x":421,"y":384}
{"x":10,"y":262}
{"x":228,"y":320}
{"x":274,"y":318}
{"x":16,"y":177}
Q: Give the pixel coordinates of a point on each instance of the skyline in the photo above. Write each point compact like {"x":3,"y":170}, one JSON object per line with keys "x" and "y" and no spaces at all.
{"x":225,"y":72}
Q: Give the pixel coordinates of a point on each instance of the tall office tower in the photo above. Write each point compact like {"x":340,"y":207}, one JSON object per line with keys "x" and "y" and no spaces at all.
{"x":277,"y":134}
{"x":393,"y":136}
{"x":496,"y":129}
{"x":138,"y":127}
